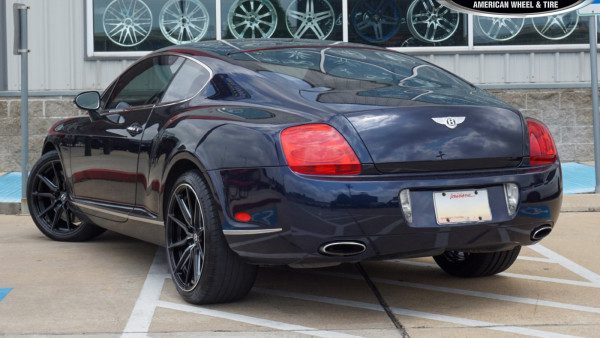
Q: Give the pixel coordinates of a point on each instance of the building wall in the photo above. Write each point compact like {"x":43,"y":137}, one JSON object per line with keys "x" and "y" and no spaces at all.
{"x":58,"y":62}
{"x":567,"y":113}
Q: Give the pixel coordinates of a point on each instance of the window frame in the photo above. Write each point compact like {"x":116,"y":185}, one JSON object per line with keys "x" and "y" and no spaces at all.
{"x":470,"y":48}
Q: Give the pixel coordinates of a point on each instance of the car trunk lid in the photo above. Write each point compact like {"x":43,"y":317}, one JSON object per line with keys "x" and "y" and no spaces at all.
{"x":440,"y":138}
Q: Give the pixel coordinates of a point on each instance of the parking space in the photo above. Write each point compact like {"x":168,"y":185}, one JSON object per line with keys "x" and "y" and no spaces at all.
{"x":117,"y":285}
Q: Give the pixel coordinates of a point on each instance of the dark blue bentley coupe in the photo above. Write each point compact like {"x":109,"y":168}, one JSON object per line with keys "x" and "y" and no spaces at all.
{"x":233,"y":154}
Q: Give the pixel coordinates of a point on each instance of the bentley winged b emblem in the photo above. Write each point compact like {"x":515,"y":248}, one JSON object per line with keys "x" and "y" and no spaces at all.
{"x":449,"y":121}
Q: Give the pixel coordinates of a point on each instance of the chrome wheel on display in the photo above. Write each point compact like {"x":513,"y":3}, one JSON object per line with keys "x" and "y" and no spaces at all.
{"x":252,"y":19}
{"x":500,"y":29}
{"x":50,"y":202}
{"x":127,"y":23}
{"x":310,"y":18}
{"x":431,"y":22}
{"x":556,"y":27}
{"x":183,"y":21}
{"x":376,"y":22}
{"x":185,"y":237}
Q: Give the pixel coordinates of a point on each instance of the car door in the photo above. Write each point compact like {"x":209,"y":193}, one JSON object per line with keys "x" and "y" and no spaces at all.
{"x":191,"y":78}
{"x":105,"y":154}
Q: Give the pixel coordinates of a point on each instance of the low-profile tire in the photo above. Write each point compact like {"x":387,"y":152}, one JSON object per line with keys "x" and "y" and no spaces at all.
{"x":50,"y":206}
{"x":465,"y":264}
{"x":203,"y":267}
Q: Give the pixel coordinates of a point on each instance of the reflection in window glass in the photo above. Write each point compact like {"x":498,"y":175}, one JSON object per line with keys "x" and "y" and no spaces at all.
{"x":306,"y":19}
{"x":143,"y":25}
{"x":188,"y":81}
{"x":402,"y":23}
{"x":145,"y":82}
{"x":565,"y":28}
{"x":368,"y":65}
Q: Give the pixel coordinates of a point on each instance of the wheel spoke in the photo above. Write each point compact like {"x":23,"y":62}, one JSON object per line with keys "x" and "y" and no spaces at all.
{"x":179,"y":243}
{"x":48,"y":183}
{"x":197,"y":262}
{"x":69,"y":215}
{"x":184,"y":210}
{"x":56,"y":175}
{"x":185,"y":256}
{"x":43,"y":213}
{"x":57,"y":215}
{"x":189,"y":266}
{"x":181,"y":225}
{"x":44,"y":195}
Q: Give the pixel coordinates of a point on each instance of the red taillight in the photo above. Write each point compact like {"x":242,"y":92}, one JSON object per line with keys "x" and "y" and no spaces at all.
{"x":318,"y":149}
{"x":541,"y":145}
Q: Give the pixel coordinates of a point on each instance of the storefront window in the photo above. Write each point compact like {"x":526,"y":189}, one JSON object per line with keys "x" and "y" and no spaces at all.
{"x":565,"y":28}
{"x":145,"y":25}
{"x":120,"y":28}
{"x":401,"y":23}
{"x":306,"y":19}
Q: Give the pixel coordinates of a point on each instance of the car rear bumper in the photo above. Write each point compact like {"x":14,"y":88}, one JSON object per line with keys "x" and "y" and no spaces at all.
{"x":294,"y":215}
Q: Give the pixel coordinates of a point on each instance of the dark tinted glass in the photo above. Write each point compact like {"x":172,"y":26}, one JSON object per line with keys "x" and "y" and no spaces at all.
{"x":188,"y":81}
{"x":377,"y":66}
{"x":145,"y":83}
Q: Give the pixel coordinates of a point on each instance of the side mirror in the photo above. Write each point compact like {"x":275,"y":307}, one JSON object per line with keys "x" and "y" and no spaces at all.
{"x":89,"y":101}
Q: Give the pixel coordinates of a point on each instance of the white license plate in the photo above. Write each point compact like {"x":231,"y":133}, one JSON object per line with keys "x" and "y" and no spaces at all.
{"x":462,"y":206}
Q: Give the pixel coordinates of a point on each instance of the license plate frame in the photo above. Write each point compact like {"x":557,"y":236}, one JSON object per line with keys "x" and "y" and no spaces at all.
{"x":462,"y":206}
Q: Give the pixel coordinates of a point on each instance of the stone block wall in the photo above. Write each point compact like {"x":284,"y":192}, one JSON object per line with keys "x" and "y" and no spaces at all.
{"x":43,"y":113}
{"x":567,"y":112}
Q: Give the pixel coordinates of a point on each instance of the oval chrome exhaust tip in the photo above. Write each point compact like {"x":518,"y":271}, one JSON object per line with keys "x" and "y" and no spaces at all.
{"x":345,"y":248}
{"x":540,"y":232}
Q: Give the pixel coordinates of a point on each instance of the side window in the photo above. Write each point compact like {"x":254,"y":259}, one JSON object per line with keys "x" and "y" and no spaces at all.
{"x":145,"y":83}
{"x":187,"y":82}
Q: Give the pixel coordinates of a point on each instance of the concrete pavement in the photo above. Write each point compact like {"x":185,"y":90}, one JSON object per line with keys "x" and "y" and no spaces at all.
{"x":115,"y":284}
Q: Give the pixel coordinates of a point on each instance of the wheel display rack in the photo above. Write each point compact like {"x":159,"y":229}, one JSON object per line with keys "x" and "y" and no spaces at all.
{"x":128,"y":23}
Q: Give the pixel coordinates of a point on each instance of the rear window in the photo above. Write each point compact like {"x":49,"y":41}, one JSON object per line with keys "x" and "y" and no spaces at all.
{"x":377,"y":66}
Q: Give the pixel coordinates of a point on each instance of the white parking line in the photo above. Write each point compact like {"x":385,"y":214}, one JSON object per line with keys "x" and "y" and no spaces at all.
{"x":143,"y":310}
{"x":535,"y":259}
{"x":513,"y":275}
{"x":488,"y":295}
{"x":149,"y":299}
{"x":413,"y":313}
{"x":567,"y":264}
{"x":253,"y":320}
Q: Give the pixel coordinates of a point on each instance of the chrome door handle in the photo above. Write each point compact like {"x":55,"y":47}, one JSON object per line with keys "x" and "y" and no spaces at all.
{"x":134,"y":129}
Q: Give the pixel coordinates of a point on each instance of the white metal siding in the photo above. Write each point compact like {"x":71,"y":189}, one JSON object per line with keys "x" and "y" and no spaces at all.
{"x":57,"y":61}
{"x":56,"y":40}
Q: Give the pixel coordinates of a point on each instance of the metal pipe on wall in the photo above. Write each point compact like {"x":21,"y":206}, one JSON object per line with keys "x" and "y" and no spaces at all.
{"x":21,"y":48}
{"x":3,"y":50}
{"x":595,"y":112}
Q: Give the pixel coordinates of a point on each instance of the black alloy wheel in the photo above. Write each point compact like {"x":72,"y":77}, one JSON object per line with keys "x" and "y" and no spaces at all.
{"x":50,"y":205}
{"x":185,"y":237}
{"x":202,"y":265}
